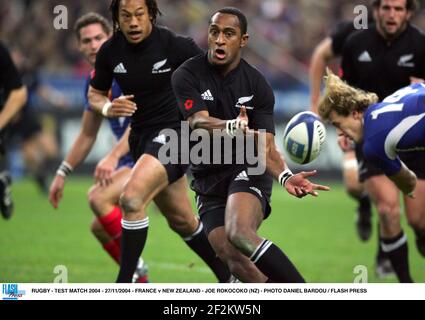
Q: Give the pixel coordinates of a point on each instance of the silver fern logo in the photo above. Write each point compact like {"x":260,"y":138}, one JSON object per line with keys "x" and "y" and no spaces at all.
{"x":156,"y":69}
{"x":242,"y":101}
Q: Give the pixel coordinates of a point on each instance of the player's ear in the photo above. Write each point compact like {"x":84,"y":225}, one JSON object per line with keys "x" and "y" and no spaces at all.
{"x":244,"y":40}
{"x":357,"y":115}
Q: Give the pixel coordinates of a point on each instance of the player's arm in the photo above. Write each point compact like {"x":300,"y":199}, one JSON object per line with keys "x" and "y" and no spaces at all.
{"x":14,"y":103}
{"x":106,"y":166}
{"x":11,"y":80}
{"x":119,"y":107}
{"x":405,"y":180}
{"x":322,"y":54}
{"x":80,"y":149}
{"x":193,"y":108}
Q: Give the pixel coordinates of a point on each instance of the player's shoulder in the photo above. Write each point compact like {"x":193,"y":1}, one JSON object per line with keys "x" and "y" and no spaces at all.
{"x":416,"y":32}
{"x":171,"y":37}
{"x":196,"y":65}
{"x":253,"y":74}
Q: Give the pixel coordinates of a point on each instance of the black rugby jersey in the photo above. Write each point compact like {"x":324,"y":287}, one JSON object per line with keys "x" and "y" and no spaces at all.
{"x":200,"y":87}
{"x":144,"y":70}
{"x":9,"y":75}
{"x":371,"y":64}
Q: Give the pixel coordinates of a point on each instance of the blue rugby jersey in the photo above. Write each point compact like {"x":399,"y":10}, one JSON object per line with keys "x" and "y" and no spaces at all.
{"x":394,"y":126}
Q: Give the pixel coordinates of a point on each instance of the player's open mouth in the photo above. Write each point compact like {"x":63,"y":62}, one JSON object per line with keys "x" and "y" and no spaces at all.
{"x":220,"y":54}
{"x":135,"y":35}
{"x":391,"y":24}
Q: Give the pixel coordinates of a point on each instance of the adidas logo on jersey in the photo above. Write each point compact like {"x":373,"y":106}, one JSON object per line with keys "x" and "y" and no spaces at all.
{"x":365,"y":57}
{"x":406,"y":61}
{"x":160,"y":139}
{"x":156,"y":69}
{"x":243,"y":176}
{"x":207,"y":95}
{"x":120,"y":68}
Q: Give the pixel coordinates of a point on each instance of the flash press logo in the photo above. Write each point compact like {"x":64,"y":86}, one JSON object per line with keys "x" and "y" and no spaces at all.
{"x":11,"y":292}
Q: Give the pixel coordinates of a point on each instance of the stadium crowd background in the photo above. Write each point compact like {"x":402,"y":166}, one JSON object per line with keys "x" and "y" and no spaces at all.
{"x":283,"y":36}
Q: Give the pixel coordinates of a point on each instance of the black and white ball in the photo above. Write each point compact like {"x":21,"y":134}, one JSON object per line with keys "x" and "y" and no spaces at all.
{"x":304,"y":137}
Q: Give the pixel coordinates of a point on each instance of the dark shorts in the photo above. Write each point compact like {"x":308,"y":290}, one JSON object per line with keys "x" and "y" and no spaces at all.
{"x":415,"y":161}
{"x":212,"y":192}
{"x":28,"y":125}
{"x":150,"y":142}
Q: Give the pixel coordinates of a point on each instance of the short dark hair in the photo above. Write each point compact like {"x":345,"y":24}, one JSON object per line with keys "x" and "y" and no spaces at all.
{"x":411,"y":5}
{"x":92,"y":18}
{"x":153,"y":11}
{"x":243,"y":21}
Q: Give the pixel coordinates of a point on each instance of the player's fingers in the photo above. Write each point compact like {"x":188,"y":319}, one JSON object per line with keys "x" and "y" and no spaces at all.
{"x":308,"y":173}
{"x":320,"y":187}
{"x":242,"y":113}
{"x":127,"y":97}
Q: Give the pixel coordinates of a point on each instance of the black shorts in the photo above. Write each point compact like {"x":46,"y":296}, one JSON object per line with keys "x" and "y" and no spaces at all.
{"x":413,"y":160}
{"x":27,"y":125}
{"x":150,"y":142}
{"x":213,"y":190}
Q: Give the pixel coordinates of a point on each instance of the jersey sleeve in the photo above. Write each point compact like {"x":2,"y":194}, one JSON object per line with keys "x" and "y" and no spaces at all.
{"x":103,"y":73}
{"x":340,"y":35}
{"x":376,"y":155}
{"x":263,"y":115}
{"x":187,"y":92}
{"x":9,"y":75}
{"x":184,"y":48}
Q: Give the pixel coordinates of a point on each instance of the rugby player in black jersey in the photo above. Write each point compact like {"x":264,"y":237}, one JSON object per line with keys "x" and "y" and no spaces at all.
{"x":13,"y":96}
{"x":221,"y":91}
{"x":141,"y":57}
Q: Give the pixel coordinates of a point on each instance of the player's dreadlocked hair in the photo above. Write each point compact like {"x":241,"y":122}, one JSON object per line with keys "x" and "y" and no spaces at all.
{"x":153,"y":11}
{"x":342,"y":98}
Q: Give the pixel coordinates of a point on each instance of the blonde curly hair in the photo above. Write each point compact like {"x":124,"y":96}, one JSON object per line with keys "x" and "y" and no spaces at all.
{"x":342,"y":98}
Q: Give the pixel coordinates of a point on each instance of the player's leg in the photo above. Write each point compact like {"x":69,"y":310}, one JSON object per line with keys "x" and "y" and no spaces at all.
{"x":244,"y":214}
{"x":240,"y":265}
{"x":357,"y":191}
{"x":6,"y":203}
{"x":174,"y":203}
{"x":103,"y":201}
{"x":147,"y":179}
{"x":385,"y":195}
{"x":415,"y":211}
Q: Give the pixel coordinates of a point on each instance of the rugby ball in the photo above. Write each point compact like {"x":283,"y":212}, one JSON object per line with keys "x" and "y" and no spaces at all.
{"x":304,"y":137}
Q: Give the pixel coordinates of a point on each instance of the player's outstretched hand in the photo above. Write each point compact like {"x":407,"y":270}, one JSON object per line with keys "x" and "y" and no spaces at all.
{"x":243,"y":120}
{"x":56,"y":190}
{"x":104,"y":170}
{"x":299,"y":186}
{"x":122,"y":107}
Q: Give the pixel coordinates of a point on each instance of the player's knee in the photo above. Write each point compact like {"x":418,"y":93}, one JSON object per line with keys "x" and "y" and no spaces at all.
{"x":94,"y":197}
{"x":239,"y":236}
{"x":388,"y":210}
{"x":96,"y":228}
{"x":131,"y":203}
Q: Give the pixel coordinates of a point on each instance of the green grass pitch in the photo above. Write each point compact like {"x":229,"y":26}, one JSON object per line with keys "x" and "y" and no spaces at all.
{"x":318,"y":234}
